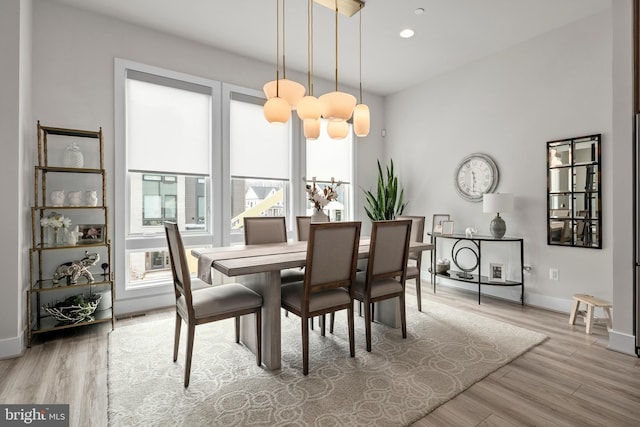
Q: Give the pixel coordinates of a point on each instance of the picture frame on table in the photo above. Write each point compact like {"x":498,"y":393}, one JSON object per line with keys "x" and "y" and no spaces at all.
{"x":436,"y":224}
{"x":447,"y":228}
{"x":91,"y":234}
{"x":497,"y":272}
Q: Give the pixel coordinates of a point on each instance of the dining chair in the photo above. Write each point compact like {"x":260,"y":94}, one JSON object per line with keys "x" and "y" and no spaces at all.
{"x":259,"y":230}
{"x":328,"y":285}
{"x":207,"y":304}
{"x":302,"y":227}
{"x":415,"y":258}
{"x":386,"y":270}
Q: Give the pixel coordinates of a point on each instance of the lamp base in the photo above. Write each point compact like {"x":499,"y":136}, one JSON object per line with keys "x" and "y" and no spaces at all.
{"x":497,"y":227}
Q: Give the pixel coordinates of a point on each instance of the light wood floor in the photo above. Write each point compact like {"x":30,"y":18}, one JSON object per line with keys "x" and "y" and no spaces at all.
{"x":570,"y":379}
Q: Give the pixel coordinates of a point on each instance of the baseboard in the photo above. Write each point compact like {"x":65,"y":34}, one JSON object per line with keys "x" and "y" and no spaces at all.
{"x":622,"y":343}
{"x":143,"y":304}
{"x":11,"y":347}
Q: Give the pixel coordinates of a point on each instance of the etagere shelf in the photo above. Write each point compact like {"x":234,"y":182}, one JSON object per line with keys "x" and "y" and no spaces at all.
{"x":58,"y":170}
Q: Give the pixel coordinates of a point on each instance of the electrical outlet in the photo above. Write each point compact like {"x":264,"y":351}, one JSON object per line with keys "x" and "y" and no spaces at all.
{"x":553,"y":273}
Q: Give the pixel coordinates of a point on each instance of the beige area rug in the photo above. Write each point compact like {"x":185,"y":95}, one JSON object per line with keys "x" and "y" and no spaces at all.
{"x":446,"y":351}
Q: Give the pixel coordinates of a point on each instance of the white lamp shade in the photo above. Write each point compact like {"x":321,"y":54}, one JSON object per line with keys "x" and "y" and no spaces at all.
{"x":338,"y":129}
{"x":277,"y":110}
{"x":309,"y":108}
{"x":361,"y":121}
{"x":337,"y":105}
{"x":311,"y":128}
{"x":290,"y":91}
{"x":497,"y":202}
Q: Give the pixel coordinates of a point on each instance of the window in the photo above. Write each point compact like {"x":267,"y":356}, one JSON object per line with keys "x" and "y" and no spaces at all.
{"x":164,"y":161}
{"x":259,"y":164}
{"x":200,"y":153}
{"x":326,"y":159}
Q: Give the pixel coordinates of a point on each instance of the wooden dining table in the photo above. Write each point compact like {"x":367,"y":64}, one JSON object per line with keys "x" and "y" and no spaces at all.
{"x":258,"y":267}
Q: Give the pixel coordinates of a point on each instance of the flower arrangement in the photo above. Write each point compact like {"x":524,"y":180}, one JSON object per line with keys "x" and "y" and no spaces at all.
{"x":321,"y":198}
{"x":55,"y":220}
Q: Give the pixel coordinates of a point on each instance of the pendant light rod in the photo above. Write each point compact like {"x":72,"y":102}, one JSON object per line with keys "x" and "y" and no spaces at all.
{"x":310,"y":46}
{"x":360,"y":50}
{"x":336,"y":2}
{"x":277,"y":48}
{"x":284,"y":38}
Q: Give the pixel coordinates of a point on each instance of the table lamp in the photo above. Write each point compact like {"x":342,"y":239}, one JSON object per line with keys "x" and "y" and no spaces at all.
{"x":496,"y":203}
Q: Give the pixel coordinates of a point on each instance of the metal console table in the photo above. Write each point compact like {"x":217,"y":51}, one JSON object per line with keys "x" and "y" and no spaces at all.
{"x":473,"y":274}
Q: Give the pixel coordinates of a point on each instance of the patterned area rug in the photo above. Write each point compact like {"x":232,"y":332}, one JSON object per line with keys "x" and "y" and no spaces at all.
{"x":446,"y":351}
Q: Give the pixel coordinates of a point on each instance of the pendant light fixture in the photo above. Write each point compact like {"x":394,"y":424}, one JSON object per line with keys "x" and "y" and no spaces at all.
{"x":289,"y":90}
{"x":276,"y":109}
{"x":361,"y":116}
{"x":309,"y":109}
{"x":338,"y":129}
{"x":337,"y":105}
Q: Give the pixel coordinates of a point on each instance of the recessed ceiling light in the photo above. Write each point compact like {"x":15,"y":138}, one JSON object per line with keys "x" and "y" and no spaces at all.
{"x":419,"y":11}
{"x":406,"y":33}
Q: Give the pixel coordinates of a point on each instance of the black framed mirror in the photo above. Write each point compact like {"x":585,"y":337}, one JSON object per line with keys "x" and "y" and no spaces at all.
{"x":574,"y":202}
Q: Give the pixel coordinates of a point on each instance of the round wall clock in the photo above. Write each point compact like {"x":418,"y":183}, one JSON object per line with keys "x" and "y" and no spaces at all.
{"x":475,"y":175}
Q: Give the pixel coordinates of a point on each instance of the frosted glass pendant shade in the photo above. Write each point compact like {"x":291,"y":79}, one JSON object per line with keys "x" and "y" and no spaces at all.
{"x":309,"y":108}
{"x":338,"y":129}
{"x":290,"y":91}
{"x":277,"y":110}
{"x":337,"y":105}
{"x":311,"y":128}
{"x":361,"y":121}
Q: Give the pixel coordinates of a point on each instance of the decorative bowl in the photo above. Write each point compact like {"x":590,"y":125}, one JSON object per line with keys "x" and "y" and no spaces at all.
{"x":442,"y":267}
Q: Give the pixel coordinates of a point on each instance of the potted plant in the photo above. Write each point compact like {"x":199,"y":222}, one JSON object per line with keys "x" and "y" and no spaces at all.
{"x":387,"y":203}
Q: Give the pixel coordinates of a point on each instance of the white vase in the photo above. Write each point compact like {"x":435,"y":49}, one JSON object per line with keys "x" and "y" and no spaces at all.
{"x":75,"y":198}
{"x":91,"y":197}
{"x":319,"y":216}
{"x":73,"y":157}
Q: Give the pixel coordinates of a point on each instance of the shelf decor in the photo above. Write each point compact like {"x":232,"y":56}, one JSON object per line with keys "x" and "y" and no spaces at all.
{"x":74,"y":309}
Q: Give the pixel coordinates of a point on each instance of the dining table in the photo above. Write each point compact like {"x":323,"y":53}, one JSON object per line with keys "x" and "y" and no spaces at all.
{"x":259,"y":268}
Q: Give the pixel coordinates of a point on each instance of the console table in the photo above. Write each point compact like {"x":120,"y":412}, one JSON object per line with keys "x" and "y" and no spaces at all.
{"x":474,"y":274}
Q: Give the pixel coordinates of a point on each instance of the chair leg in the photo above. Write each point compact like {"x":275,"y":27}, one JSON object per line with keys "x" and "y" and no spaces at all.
{"x":323,"y":322}
{"x":367,"y":322}
{"x":305,"y":346}
{"x":237,"y":329}
{"x":191,"y":329}
{"x":259,"y":336}
{"x":176,"y":339}
{"x":418,"y":293}
{"x":403,"y":316}
{"x":311,"y":320}
{"x":352,"y":343}
{"x":332,"y":319}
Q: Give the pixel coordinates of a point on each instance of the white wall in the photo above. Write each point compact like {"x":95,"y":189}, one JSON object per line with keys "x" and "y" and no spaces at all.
{"x":576,"y":80}
{"x":508,"y":105}
{"x":15,"y":27}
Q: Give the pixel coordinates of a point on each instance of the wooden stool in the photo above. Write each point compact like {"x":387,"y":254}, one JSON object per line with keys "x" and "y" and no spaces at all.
{"x":591,"y":303}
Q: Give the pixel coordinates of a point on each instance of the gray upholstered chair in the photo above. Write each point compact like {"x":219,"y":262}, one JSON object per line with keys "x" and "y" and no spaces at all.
{"x":259,"y":230}
{"x":302,"y":227}
{"x":386,"y":270}
{"x":208,"y":304}
{"x":415,"y":258}
{"x":332,"y":255}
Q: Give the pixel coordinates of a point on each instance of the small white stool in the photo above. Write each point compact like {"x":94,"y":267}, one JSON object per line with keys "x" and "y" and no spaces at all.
{"x":591,"y":303}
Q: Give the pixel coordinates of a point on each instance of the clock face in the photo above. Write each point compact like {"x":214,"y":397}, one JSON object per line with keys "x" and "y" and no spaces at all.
{"x":475,"y":175}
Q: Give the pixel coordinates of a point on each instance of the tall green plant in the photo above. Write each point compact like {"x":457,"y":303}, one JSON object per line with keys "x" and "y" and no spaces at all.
{"x":387,"y":202}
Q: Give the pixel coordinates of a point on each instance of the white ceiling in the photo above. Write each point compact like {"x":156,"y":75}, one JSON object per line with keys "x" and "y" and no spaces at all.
{"x":448,"y":34}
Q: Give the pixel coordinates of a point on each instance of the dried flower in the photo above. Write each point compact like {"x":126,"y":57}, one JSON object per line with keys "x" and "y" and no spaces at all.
{"x":321,"y":198}
{"x":55,"y":220}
